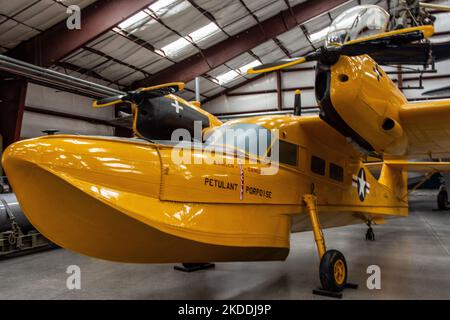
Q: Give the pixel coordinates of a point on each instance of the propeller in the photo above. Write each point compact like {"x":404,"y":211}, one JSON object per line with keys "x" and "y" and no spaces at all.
{"x":136,"y":96}
{"x":369,"y":45}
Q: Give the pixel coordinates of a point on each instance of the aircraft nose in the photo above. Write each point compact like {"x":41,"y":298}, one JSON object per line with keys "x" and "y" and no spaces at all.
{"x":119,"y":164}
{"x":20,"y":155}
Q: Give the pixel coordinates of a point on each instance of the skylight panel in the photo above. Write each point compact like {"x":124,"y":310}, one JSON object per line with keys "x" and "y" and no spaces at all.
{"x":172,"y":49}
{"x":133,"y":20}
{"x":227,"y":77}
{"x":161,"y":4}
{"x":204,"y":32}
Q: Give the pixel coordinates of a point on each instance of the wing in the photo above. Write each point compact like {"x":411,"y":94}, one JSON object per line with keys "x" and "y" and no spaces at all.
{"x":427,"y":126}
{"x":324,"y":135}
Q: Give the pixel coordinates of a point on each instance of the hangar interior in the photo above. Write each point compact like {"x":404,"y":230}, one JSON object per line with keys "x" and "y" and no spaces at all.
{"x":209,"y":45}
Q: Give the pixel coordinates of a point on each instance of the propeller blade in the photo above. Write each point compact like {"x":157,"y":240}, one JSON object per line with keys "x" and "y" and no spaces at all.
{"x":402,"y":48}
{"x":165,"y":89}
{"x":134,"y":96}
{"x":109,"y":101}
{"x":277,"y":65}
{"x":425,"y":31}
{"x":437,"y":92}
{"x":391,"y":41}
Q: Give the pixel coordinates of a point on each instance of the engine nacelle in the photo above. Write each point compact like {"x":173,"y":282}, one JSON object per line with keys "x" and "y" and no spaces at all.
{"x":360,"y":101}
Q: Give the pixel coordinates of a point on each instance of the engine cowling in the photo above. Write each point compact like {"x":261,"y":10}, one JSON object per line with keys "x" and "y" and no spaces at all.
{"x":359,"y":100}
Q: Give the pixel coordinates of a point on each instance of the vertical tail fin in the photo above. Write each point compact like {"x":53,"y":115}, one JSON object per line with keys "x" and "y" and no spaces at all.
{"x":395,"y":178}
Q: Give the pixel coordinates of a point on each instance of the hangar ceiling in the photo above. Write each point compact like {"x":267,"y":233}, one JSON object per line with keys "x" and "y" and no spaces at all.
{"x":172,"y":39}
{"x":125,"y":44}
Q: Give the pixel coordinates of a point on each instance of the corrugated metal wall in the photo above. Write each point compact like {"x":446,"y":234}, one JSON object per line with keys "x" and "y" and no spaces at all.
{"x":41,"y":97}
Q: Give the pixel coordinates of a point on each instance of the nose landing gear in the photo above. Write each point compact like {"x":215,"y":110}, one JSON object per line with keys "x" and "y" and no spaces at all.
{"x":333,"y":267}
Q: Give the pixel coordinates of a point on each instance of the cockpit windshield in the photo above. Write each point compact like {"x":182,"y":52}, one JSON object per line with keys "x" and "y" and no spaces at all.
{"x":356,"y":23}
{"x":251,"y":139}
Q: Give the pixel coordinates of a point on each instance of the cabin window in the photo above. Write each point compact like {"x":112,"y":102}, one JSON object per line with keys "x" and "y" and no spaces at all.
{"x":336,"y":172}
{"x":288,"y":153}
{"x":318,"y":165}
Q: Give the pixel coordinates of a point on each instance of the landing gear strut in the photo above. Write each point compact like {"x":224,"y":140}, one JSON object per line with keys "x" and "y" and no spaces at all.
{"x":333,"y":267}
{"x":370,"y":235}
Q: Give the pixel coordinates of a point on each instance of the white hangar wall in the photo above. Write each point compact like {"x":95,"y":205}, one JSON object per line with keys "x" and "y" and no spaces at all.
{"x":262,"y":94}
{"x":48,"y":99}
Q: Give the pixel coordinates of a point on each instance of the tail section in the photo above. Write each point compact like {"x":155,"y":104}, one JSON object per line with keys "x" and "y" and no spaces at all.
{"x":394,"y":173}
{"x":395,"y":178}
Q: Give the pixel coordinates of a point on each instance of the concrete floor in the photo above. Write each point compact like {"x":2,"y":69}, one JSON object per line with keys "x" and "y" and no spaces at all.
{"x":413,"y":254}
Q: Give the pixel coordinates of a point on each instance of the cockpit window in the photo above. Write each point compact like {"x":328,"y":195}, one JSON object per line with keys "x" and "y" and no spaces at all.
{"x":357,"y":23}
{"x":249,"y":138}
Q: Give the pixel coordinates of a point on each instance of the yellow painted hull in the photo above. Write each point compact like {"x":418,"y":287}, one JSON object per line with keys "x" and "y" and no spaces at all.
{"x":113,"y":212}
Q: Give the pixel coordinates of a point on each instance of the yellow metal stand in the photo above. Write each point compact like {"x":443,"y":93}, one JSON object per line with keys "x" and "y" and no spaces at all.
{"x":311,"y":201}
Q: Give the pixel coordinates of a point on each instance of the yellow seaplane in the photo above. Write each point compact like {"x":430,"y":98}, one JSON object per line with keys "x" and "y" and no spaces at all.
{"x":200,"y":197}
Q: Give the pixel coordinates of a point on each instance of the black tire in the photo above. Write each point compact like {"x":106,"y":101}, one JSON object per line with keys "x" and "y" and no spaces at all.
{"x":442,"y":200}
{"x":331,"y":280}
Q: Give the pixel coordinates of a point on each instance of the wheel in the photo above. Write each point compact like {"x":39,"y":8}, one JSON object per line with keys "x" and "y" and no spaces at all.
{"x":442,"y":199}
{"x":370,"y":235}
{"x":333,"y":271}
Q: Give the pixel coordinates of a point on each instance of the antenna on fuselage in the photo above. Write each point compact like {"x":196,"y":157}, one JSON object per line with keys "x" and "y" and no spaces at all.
{"x":298,"y":103}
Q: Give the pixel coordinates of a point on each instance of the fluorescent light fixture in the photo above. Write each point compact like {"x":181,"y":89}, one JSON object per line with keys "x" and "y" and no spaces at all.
{"x":161,"y":4}
{"x":204,"y":32}
{"x":173,"y":48}
{"x":133,"y":20}
{"x":227,"y":77}
{"x":320,"y":35}
{"x":244,"y":69}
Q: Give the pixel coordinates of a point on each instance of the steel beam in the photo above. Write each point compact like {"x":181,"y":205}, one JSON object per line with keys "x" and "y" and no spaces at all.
{"x":12,"y":104}
{"x":58,"y":42}
{"x":279,"y":91}
{"x":230,"y":48}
